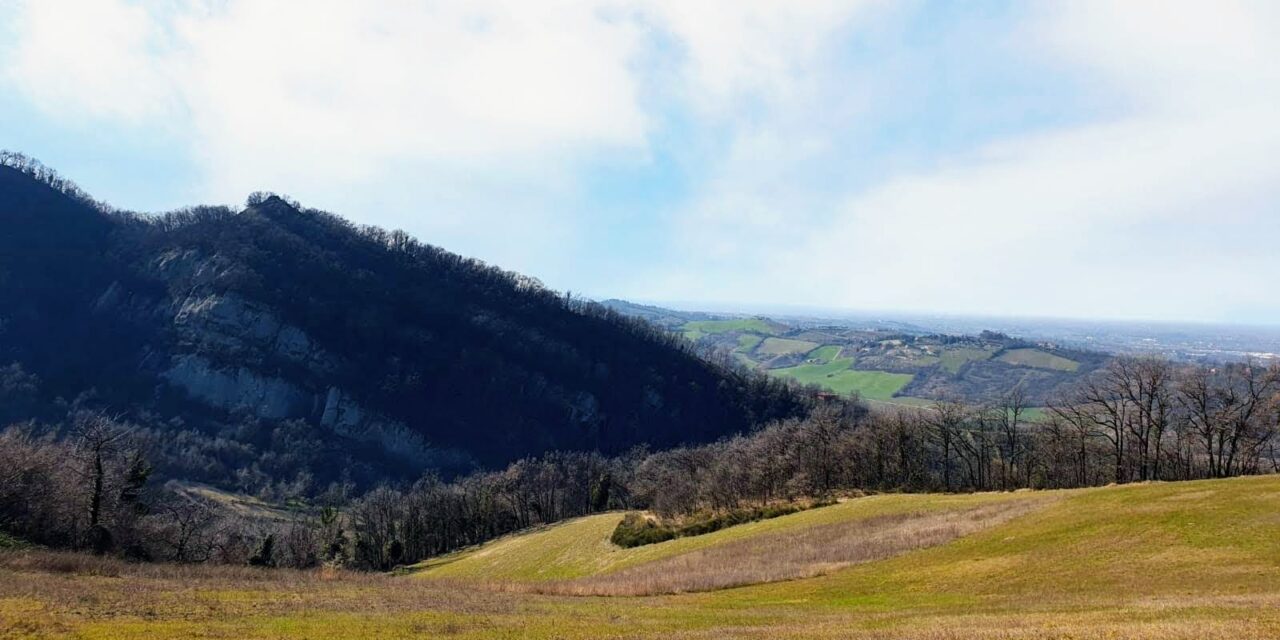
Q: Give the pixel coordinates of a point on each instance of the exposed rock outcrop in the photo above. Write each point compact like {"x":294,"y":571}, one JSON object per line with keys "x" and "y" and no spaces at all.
{"x":237,"y":388}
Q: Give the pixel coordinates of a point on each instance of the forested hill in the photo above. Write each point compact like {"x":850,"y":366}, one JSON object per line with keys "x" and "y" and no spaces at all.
{"x":282,"y":341}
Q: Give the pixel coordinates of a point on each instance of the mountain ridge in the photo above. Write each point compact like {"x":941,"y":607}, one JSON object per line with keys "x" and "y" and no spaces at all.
{"x":380,"y":346}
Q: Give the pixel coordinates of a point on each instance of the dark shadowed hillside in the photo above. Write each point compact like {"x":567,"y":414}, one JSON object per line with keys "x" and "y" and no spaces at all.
{"x":280,"y":342}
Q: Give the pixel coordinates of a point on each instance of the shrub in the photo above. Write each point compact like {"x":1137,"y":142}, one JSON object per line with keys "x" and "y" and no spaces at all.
{"x":636,"y":530}
{"x":8,"y":542}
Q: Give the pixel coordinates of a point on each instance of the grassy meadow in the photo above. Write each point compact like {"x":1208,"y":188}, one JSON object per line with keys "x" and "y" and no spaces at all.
{"x":1038,"y":359}
{"x":1156,"y":560}
{"x":837,"y":376}
{"x":826,"y":354}
{"x":757,"y":325}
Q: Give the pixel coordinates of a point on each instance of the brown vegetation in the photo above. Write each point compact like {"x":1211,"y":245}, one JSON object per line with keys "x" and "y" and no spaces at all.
{"x":193,"y":592}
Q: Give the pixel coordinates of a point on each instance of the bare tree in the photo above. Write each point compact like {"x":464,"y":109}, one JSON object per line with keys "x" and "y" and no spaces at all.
{"x":1232,"y":410}
{"x":99,"y":441}
{"x":947,"y":420}
{"x":820,"y":442}
{"x":1145,"y":384}
{"x":1012,"y":449}
{"x":1095,"y":408}
{"x":186,"y":530}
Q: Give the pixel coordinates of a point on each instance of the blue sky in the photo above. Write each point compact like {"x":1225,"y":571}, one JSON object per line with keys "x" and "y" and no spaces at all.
{"x":1077,"y":159}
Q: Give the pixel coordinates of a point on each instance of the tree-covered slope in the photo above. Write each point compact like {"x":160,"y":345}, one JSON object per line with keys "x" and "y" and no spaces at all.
{"x":366,"y":344}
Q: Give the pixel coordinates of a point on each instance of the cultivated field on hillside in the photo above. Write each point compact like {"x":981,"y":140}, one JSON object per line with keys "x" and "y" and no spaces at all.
{"x":823,"y":355}
{"x":953,"y":359}
{"x":704,"y":327}
{"x":978,"y":369}
{"x":1160,"y":560}
{"x":837,"y":376}
{"x":1039,"y":359}
{"x":784,"y":346}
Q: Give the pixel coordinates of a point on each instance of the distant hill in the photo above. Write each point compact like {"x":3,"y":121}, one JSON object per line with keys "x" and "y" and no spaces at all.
{"x":277,"y":342}
{"x":885,"y":362}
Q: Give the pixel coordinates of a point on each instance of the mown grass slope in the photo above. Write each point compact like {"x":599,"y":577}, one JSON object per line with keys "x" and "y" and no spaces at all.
{"x":581,"y":547}
{"x":1185,"y":561}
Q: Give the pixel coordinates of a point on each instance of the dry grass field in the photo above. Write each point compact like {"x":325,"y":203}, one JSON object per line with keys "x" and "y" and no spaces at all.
{"x":800,"y":552}
{"x":1186,"y":560}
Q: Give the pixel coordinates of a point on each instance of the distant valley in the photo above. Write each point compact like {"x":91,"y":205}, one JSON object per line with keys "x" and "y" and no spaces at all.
{"x":917,"y":360}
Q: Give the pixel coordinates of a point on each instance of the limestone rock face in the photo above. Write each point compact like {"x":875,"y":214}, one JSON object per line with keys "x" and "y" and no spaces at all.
{"x":237,"y":354}
{"x":345,"y":416}
{"x":247,"y":330}
{"x":237,"y":388}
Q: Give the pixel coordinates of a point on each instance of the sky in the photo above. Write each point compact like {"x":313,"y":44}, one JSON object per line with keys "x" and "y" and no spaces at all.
{"x":1109,"y":160}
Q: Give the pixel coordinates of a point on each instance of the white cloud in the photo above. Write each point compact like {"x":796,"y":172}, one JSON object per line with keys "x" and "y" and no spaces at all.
{"x":472,"y":125}
{"x":96,"y":58}
{"x":1161,"y":209}
{"x":1182,"y":55}
{"x":1062,"y":224}
{"x":494,"y":105}
{"x":269,"y":85}
{"x":750,"y":49}
{"x":357,"y":83}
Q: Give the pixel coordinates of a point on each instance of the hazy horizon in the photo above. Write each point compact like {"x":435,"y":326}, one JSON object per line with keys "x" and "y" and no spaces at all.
{"x":1084,"y":160}
{"x":847,"y":313}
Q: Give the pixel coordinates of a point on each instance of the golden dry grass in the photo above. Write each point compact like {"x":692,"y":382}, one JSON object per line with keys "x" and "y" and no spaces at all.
{"x":802,"y":552}
{"x":581,"y":548}
{"x":1151,"y":561}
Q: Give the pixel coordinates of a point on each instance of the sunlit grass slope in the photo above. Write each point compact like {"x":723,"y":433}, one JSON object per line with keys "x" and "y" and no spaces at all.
{"x":581,"y":547}
{"x":1140,"y":540}
{"x":1163,"y":540}
{"x":1184,"y":561}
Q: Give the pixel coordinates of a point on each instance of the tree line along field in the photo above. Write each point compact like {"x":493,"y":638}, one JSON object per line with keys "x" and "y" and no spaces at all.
{"x":1196,"y":559}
